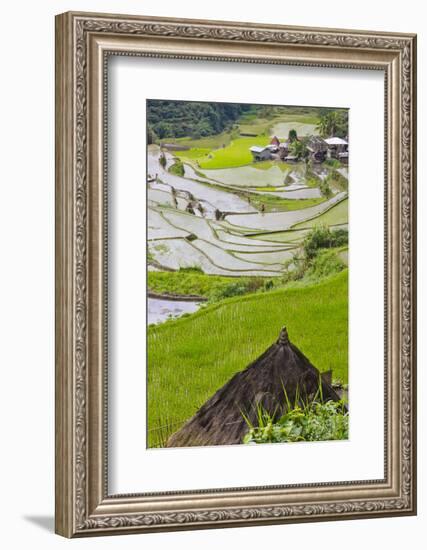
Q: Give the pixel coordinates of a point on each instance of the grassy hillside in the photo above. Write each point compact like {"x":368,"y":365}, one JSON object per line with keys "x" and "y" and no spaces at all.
{"x":190,"y":358}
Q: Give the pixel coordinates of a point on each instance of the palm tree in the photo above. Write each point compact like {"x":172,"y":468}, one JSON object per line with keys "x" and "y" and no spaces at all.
{"x":323,"y":125}
{"x":331,"y":123}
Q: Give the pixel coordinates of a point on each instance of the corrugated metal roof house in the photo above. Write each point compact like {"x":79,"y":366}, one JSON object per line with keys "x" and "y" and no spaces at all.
{"x":260,"y":153}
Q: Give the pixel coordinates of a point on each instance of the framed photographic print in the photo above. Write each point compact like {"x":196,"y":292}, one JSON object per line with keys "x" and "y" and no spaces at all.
{"x":235,"y":274}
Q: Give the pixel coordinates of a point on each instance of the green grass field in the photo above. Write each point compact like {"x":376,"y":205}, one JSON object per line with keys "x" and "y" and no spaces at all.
{"x":193,"y":153}
{"x":190,"y":358}
{"x":235,"y":154}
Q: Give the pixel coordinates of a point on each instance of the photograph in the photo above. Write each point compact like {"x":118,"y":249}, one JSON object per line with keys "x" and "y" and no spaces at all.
{"x":247,"y":273}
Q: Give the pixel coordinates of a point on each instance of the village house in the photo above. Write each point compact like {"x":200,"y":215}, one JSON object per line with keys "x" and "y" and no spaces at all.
{"x":319,"y":150}
{"x":268,"y":151}
{"x":337,"y":148}
{"x":260,"y":153}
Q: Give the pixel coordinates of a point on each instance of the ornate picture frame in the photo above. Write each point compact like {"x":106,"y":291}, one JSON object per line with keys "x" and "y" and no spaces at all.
{"x":84,"y":42}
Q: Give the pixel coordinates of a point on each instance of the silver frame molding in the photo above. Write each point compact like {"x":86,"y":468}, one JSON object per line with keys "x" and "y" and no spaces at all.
{"x":83,"y":43}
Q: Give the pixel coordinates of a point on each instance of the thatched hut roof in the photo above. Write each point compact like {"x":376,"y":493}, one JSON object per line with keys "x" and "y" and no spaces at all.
{"x":282,"y":370}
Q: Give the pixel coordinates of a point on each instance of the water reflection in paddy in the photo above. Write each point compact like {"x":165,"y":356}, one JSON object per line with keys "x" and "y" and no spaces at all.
{"x":160,"y":310}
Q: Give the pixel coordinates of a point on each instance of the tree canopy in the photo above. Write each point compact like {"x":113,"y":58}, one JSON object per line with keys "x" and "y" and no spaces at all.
{"x":174,"y":119}
{"x":333,"y":123}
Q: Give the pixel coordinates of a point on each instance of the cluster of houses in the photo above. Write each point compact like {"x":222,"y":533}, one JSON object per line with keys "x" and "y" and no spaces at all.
{"x":319,"y":150}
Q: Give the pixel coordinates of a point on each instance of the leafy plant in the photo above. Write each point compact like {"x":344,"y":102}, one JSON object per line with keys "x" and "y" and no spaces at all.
{"x":298,"y":148}
{"x":323,"y":237}
{"x":333,"y":163}
{"x":315,"y":421}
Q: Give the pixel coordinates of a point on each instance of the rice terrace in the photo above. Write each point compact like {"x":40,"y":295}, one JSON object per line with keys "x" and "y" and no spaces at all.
{"x":247,"y":209}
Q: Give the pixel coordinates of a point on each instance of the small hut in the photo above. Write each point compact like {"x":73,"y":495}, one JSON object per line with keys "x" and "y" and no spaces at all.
{"x":260,"y":153}
{"x":280,"y":375}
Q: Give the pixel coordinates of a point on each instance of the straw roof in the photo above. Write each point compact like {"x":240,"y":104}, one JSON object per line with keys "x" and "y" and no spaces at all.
{"x":281,"y":367}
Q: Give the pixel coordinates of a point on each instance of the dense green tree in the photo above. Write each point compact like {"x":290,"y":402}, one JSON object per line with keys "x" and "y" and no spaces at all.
{"x":298,"y":148}
{"x":174,"y":119}
{"x":333,"y":123}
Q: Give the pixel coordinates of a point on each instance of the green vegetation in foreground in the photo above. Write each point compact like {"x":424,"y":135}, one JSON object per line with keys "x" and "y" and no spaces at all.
{"x":315,"y":421}
{"x":190,"y":358}
{"x":323,"y":237}
{"x":333,"y":163}
{"x":193,"y":282}
{"x":337,"y":215}
{"x":271,"y":203}
{"x":320,"y":257}
{"x":177,"y":168}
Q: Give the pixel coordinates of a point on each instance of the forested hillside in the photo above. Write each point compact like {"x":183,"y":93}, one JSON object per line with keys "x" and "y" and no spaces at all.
{"x":176,"y":119}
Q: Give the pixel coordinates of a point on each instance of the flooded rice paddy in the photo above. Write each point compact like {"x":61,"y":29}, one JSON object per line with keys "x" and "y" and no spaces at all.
{"x":162,"y":310}
{"x":205,"y":220}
